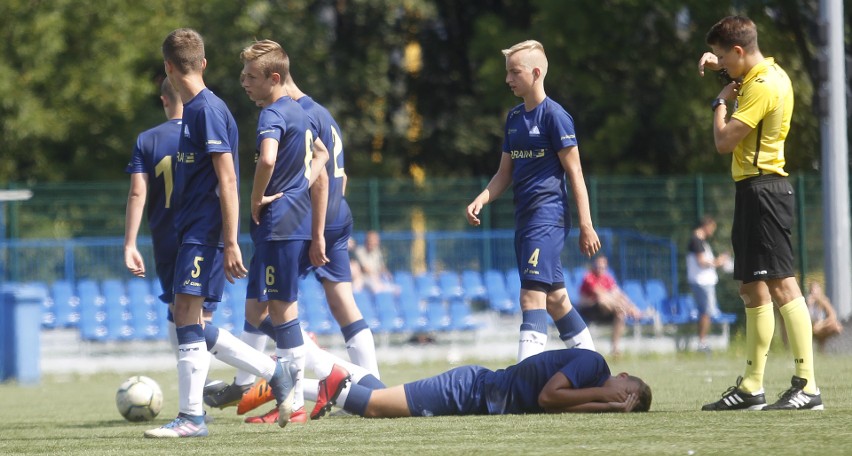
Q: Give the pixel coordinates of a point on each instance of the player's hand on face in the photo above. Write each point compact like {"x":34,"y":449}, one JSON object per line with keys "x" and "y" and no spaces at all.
{"x":134,"y":262}
{"x":709,"y":61}
{"x":627,"y":404}
{"x":258,"y":205}
{"x":473,"y":210}
{"x":317,"y":253}
{"x":234,"y":268}
{"x":589,"y":242}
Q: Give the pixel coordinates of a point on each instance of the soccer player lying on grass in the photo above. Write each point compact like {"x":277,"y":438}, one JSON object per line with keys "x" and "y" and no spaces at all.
{"x":558,"y":381}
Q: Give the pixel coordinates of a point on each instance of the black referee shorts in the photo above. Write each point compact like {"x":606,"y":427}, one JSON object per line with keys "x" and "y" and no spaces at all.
{"x":763,"y":220}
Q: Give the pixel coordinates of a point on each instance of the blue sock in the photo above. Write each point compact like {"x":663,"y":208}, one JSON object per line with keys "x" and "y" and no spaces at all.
{"x":570,"y":324}
{"x":369,"y":381}
{"x":534,"y":320}
{"x":211,"y":335}
{"x":267,"y":328}
{"x":357,"y":400}
{"x":288,"y":335}
{"x":189,"y":334}
{"x":349,"y":331}
{"x":250,"y":328}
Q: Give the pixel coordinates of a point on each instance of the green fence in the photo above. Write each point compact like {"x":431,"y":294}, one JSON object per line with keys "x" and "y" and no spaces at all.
{"x":659,"y":206}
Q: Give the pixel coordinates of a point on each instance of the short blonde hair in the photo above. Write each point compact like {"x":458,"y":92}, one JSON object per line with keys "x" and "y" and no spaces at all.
{"x":270,"y":58}
{"x":184,"y":48}
{"x":534,"y":57}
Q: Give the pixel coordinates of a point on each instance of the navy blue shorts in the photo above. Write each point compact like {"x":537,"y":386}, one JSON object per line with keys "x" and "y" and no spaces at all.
{"x":274,"y":270}
{"x":538,"y":250}
{"x":200,"y":271}
{"x":337,"y":250}
{"x":455,"y":392}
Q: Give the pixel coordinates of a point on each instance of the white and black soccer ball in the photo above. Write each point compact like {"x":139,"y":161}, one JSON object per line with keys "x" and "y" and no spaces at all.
{"x":139,"y":398}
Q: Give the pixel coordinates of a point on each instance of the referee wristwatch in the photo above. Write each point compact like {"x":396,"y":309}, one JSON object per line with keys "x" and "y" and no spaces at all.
{"x":716,"y":103}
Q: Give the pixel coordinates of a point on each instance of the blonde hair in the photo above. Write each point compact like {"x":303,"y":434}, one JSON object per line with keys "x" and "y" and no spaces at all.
{"x":270,"y":58}
{"x":184,"y":48}
{"x":534,"y":57}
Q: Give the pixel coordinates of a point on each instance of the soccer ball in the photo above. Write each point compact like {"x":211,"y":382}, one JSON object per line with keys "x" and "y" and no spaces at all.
{"x":139,"y":398}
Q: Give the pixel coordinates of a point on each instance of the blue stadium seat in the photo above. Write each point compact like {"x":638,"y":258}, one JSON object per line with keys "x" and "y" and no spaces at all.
{"x":389,"y":320}
{"x":437,"y":318}
{"x":364,"y":301}
{"x":460,"y":317}
{"x":118,"y":315}
{"x":160,"y":321}
{"x":634,"y":290}
{"x":472,"y":284}
{"x":498,"y":297}
{"x":92,"y":314}
{"x":656,"y":293}
{"x":65,"y":304}
{"x":141,"y":306}
{"x":404,"y":280}
{"x":450,"y":285}
{"x":411,"y":313}
{"x":427,"y":287}
{"x":313,"y":310}
{"x":513,"y":283}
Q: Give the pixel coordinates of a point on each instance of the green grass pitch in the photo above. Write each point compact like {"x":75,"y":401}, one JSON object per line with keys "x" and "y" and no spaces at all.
{"x":76,"y":415}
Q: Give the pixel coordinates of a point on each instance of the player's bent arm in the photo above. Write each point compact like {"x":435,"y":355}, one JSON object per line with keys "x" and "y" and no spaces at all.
{"x":388,"y":403}
{"x":132,"y":220}
{"x":559,"y":396}
{"x":223,"y":163}
{"x":727,"y":135}
{"x":262,"y":175}
{"x":569,"y":157}
{"x":318,"y":160}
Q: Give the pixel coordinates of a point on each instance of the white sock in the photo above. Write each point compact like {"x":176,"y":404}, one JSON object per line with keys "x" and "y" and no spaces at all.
{"x":193,"y":364}
{"x":311,"y":389}
{"x":530,"y":343}
{"x":295,"y":356}
{"x":239,"y":354}
{"x":257,"y":342}
{"x":321,"y":362}
{"x":582,"y":340}
{"x":362,"y":351}
{"x":317,"y":359}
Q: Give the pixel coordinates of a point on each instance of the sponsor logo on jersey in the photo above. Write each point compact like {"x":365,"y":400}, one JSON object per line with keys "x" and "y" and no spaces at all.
{"x":564,"y":137}
{"x":214,"y":142}
{"x":186,"y":157}
{"x":534,"y":131}
{"x":536,"y":153}
{"x":186,"y":131}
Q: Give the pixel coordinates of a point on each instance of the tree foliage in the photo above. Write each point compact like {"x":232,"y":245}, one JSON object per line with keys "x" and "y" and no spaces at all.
{"x":417,"y":85}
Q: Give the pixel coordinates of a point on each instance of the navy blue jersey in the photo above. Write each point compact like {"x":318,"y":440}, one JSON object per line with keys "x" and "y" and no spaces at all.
{"x":515,"y":389}
{"x":338,"y":213}
{"x":288,"y":217}
{"x":154,"y":155}
{"x":533,"y":139}
{"x":208,"y":128}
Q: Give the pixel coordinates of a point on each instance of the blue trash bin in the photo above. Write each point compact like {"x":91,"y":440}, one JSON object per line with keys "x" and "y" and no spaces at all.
{"x":20,"y":332}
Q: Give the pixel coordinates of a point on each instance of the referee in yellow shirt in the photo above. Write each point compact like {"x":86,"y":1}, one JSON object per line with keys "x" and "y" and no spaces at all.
{"x":761,"y":99}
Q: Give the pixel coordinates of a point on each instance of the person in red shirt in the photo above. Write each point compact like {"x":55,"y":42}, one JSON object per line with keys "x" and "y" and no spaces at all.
{"x":602,"y":300}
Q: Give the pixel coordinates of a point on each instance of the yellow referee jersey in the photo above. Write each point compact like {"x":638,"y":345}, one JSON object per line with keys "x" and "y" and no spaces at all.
{"x":765,"y":103}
